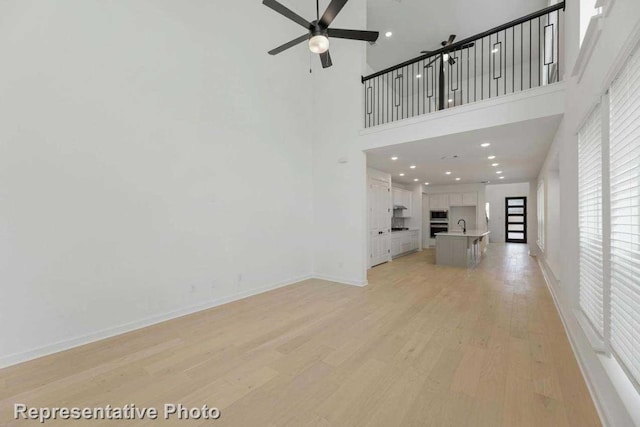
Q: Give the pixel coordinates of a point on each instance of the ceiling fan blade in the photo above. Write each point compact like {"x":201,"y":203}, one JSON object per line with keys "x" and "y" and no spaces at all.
{"x":368,"y":36}
{"x":325,"y":58}
{"x":425,"y":52}
{"x":332,"y":11}
{"x":287,"y":45}
{"x":452,"y":37}
{"x":282,"y":10}
{"x":451,"y":60}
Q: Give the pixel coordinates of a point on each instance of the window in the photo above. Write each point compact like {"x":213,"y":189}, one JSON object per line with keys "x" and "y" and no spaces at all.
{"x":590,"y":220}
{"x":588,"y":10}
{"x":541,"y":215}
{"x":625,"y":216}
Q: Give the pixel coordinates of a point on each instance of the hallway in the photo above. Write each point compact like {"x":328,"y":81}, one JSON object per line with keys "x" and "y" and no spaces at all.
{"x":420,"y":346}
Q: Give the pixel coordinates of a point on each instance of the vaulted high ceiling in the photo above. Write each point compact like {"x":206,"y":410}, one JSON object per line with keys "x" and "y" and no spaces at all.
{"x":421,"y":25}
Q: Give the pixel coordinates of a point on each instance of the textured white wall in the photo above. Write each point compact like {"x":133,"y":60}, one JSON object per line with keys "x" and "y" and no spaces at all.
{"x":140,"y":175}
{"x":339,"y":165}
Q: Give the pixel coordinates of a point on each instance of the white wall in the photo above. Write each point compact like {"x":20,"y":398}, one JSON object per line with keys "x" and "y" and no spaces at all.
{"x":140,"y":175}
{"x":496,"y":194}
{"x":339,"y":165}
{"x":617,"y":401}
{"x":468,"y":213}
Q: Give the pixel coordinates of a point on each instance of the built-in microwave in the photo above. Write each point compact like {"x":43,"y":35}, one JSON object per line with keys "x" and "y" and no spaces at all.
{"x":440,"y":216}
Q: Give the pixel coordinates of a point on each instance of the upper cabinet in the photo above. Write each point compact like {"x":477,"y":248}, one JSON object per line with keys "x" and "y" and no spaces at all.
{"x":403,"y":198}
{"x":455,"y":199}
{"x":463,"y":199}
{"x":469,"y":199}
{"x":445,"y":201}
{"x":439,"y":202}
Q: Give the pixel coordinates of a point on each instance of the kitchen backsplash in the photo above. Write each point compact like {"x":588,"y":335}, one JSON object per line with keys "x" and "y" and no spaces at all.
{"x":397,"y":222}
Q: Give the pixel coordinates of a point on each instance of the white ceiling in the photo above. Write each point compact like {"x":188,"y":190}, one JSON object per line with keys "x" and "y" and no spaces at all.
{"x":421,"y":25}
{"x":520,"y":149}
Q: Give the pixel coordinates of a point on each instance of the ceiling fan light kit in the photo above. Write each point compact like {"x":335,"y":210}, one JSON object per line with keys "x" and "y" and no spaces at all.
{"x":318,"y":30}
{"x":319,"y":44}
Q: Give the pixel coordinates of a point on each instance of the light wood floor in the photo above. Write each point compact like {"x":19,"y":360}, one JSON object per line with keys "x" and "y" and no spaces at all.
{"x":420,"y":346}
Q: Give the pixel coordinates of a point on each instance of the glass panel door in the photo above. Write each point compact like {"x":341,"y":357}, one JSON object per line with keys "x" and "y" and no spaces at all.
{"x":515,"y":219}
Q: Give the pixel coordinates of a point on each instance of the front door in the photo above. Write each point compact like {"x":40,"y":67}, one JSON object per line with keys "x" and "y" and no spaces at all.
{"x":515,"y":219}
{"x":379,"y":222}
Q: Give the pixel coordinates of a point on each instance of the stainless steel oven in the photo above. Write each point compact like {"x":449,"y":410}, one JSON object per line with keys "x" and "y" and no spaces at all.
{"x":440,"y":216}
{"x":438,"y":228}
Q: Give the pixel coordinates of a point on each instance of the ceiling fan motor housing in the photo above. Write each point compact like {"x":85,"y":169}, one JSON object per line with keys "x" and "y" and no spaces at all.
{"x":318,"y":30}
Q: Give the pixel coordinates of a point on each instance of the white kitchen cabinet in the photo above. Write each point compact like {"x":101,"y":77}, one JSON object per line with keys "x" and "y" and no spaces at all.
{"x":414,"y":236}
{"x":455,"y":199}
{"x":463,"y":199}
{"x":397,"y":196}
{"x":438,"y":202}
{"x":469,"y":199}
{"x":403,"y":198}
{"x":396,"y":244}
{"x":403,"y":242}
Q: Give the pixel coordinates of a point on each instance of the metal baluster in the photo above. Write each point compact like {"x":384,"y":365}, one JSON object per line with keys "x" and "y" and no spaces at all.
{"x":539,"y":57}
{"x":559,"y":43}
{"x":504,"y":78}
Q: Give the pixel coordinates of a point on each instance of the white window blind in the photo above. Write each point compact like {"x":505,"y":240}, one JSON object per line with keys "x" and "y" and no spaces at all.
{"x":590,"y":220}
{"x":625,"y":216}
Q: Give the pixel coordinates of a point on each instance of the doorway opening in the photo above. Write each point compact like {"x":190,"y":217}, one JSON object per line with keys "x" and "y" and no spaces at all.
{"x":515,"y":219}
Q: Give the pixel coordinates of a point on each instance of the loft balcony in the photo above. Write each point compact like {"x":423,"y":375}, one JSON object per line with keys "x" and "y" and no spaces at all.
{"x":520,"y":55}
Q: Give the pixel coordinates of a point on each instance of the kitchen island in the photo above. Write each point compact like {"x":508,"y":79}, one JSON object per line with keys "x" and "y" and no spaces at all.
{"x":459,"y":249}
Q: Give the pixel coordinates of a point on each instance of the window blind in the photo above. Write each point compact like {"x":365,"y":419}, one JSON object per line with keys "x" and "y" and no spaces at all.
{"x":625,"y":216}
{"x":590,"y":220}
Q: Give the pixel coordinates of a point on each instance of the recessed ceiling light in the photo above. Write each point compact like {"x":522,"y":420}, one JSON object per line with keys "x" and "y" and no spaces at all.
{"x":394,"y":158}
{"x":401,"y":174}
{"x":388,"y":34}
{"x":426,"y":183}
{"x":491,"y":157}
{"x":412,"y":166}
{"x":499,"y":172}
{"x":495,"y":164}
{"x":416,"y":179}
{"x":485,"y":144}
{"x":502,"y":177}
{"x":447,"y":173}
{"x":457,"y":179}
{"x":418,"y":76}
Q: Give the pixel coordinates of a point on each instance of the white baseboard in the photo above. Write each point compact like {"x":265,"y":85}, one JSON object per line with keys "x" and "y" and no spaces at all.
{"x":610,"y":407}
{"x":360,"y":283}
{"x":14,"y":359}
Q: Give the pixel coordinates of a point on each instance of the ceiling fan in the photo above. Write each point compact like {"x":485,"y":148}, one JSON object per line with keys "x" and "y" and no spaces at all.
{"x":446,"y":56}
{"x":318,"y":30}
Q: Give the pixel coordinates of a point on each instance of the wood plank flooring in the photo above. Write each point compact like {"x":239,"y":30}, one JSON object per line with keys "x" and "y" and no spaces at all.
{"x":422,"y":345}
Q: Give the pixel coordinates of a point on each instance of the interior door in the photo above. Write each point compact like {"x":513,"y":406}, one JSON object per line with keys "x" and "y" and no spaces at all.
{"x":515,"y":219}
{"x":379,"y":222}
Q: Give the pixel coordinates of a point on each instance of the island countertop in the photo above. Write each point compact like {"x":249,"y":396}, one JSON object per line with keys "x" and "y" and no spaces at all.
{"x":469,"y":233}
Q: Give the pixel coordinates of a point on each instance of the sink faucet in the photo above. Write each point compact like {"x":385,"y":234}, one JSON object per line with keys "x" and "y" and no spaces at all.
{"x":464,"y":226}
